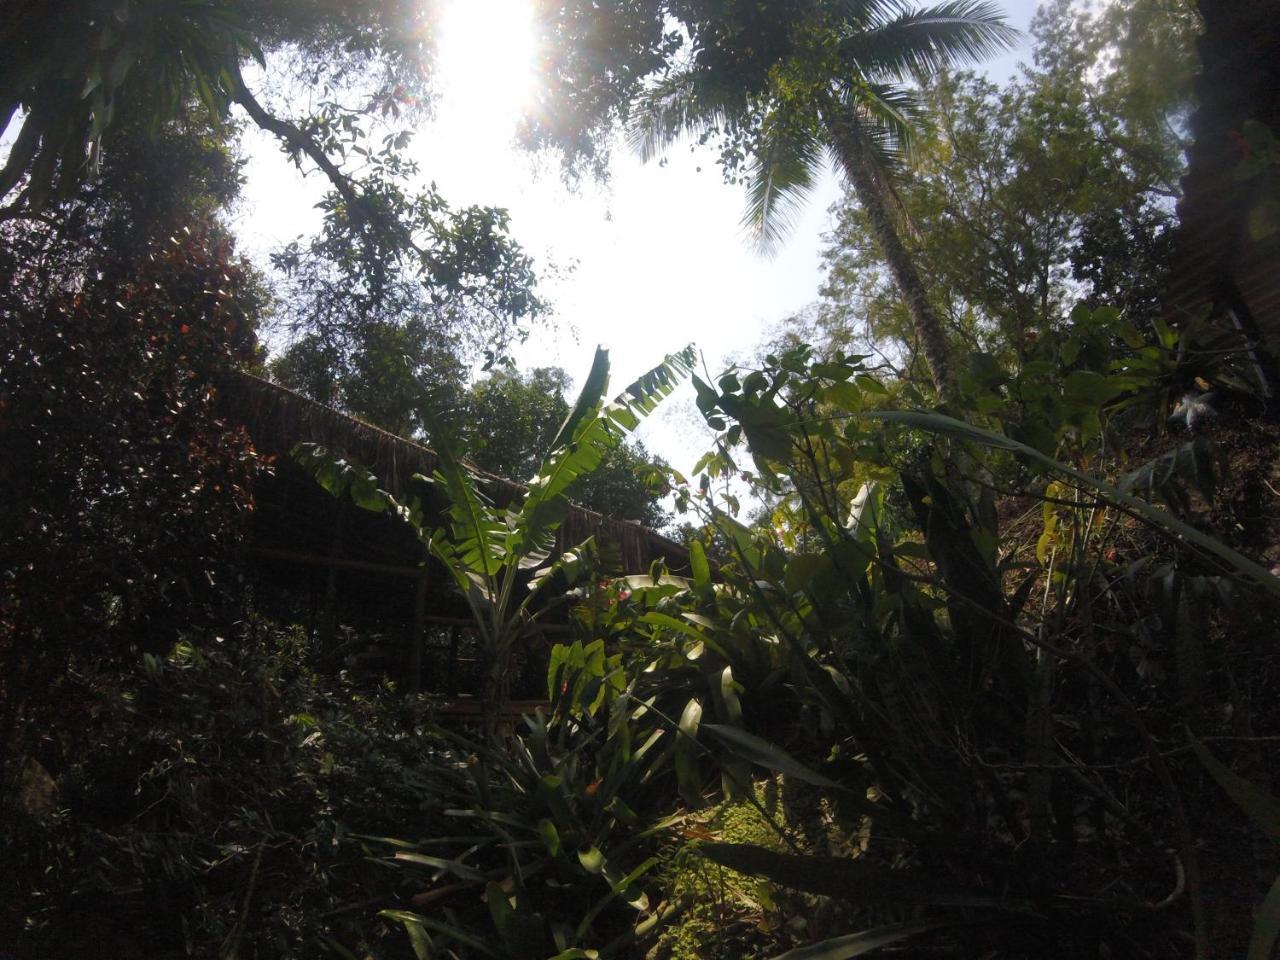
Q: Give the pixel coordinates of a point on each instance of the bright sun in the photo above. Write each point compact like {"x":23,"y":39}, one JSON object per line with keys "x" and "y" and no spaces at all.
{"x":486,"y":61}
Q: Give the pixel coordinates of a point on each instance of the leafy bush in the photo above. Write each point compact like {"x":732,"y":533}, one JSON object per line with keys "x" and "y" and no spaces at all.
{"x":213,"y":803}
{"x":124,"y":489}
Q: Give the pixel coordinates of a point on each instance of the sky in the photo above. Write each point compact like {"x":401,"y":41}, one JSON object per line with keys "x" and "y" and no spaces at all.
{"x":658,"y":258}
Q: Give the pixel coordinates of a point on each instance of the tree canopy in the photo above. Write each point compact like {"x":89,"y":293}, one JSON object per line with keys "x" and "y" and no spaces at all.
{"x":1055,"y":187}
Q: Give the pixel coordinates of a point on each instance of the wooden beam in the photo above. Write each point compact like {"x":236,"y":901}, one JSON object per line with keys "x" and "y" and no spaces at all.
{"x":451,"y":673}
{"x":471,"y":707}
{"x":329,"y":618}
{"x":310,"y":559}
{"x":416,"y":637}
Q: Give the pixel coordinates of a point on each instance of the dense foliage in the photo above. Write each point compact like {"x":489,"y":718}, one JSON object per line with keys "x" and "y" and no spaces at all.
{"x":124,"y":488}
{"x":212,"y":802}
{"x":990,"y":675}
{"x":1054,"y":187}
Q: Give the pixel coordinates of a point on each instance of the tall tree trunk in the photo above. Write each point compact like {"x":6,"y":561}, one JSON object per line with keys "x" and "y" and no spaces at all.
{"x":859,"y":166}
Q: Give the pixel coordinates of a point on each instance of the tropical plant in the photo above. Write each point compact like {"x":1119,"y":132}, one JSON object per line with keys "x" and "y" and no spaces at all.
{"x":491,"y":554}
{"x":956,"y":685}
{"x":560,"y":826}
{"x":512,"y":417}
{"x":781,"y":86}
{"x":1055,"y":185}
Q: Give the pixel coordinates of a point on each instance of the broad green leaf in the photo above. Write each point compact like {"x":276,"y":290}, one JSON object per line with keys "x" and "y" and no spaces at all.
{"x":588,"y":401}
{"x":844,"y":395}
{"x":698,"y":565}
{"x":762,"y":753}
{"x":1266,"y":926}
{"x":550,"y":836}
{"x":592,"y":859}
{"x":666,"y":620}
{"x":1258,"y":805}
{"x":686,"y":753}
{"x":729,"y":695}
{"x":858,"y":944}
{"x":599,"y":431}
{"x":1088,"y":389}
{"x":1264,"y":219}
{"x":864,"y":511}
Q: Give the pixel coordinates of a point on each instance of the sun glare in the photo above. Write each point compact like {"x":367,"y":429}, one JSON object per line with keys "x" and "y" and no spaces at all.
{"x":486,"y":61}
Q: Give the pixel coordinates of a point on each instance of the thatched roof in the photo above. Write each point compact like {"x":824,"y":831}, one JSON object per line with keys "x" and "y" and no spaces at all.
{"x":1217,"y":261}
{"x":277,"y":418}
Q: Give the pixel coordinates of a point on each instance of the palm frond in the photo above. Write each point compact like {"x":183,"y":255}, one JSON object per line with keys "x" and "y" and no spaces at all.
{"x":920,"y":43}
{"x":682,"y":102}
{"x":890,"y":118}
{"x":780,"y":178}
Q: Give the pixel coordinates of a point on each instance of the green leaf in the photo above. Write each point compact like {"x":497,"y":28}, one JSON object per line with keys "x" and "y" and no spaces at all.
{"x":521,"y":930}
{"x":858,"y":944}
{"x":729,"y":695}
{"x":598,"y":432}
{"x":706,"y":398}
{"x":460,"y":870}
{"x":500,"y":909}
{"x":550,"y":836}
{"x":1264,"y":219}
{"x":698,"y":565}
{"x":1089,"y":389}
{"x":686,"y":754}
{"x":843,"y":395}
{"x":1259,"y":805}
{"x":870,"y":384}
{"x":588,"y":401}
{"x":1170,"y":525}
{"x":764,"y":754}
{"x":409,"y":920}
{"x":780,"y":177}
{"x":1070,"y":350}
{"x":865,"y":511}
{"x":592,"y":859}
{"x":1266,"y":926}
{"x":476,"y":530}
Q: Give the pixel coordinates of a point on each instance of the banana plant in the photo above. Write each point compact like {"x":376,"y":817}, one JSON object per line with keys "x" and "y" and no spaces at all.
{"x":493,"y":554}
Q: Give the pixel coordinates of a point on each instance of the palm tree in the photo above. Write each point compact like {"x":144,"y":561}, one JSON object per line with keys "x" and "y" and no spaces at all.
{"x":783,"y":86}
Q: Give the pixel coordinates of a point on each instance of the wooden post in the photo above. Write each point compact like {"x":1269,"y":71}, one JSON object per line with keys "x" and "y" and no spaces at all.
{"x":417,"y":638}
{"x":328,"y":621}
{"x":452,"y":678}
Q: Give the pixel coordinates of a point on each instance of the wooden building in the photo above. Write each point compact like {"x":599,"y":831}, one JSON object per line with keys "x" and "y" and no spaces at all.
{"x":361,"y":581}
